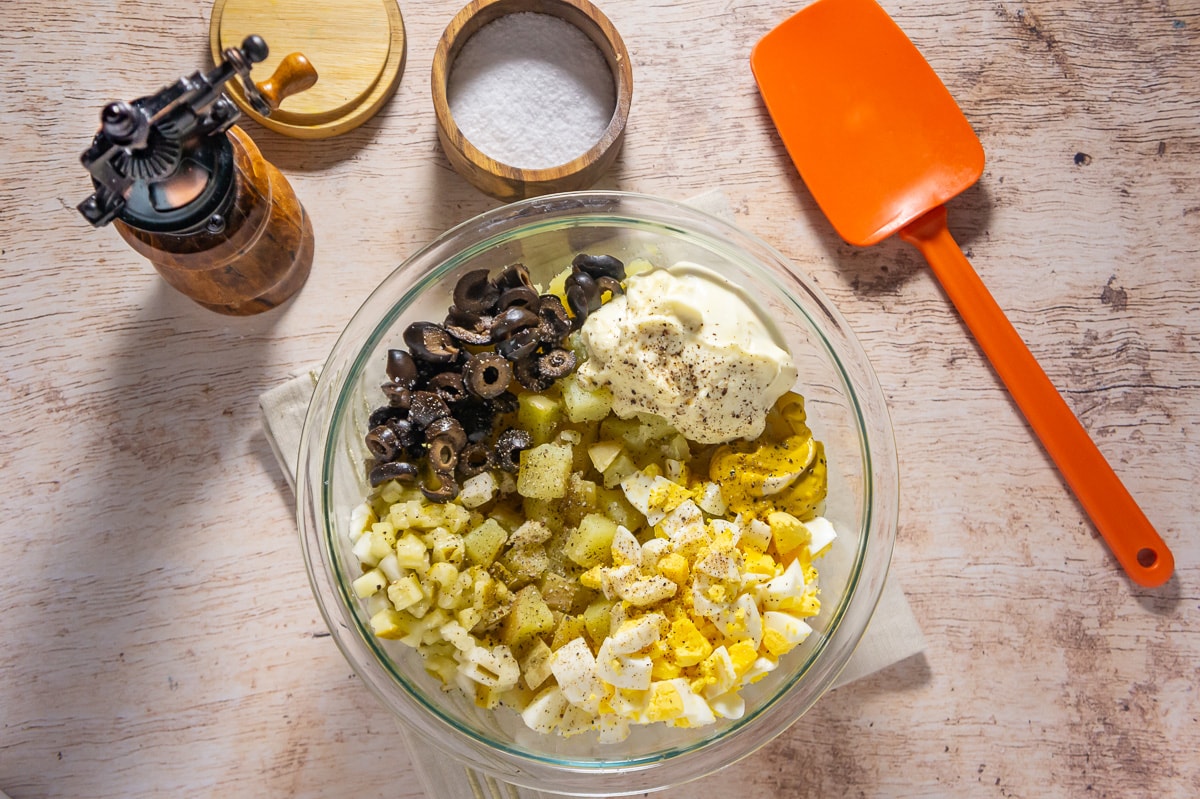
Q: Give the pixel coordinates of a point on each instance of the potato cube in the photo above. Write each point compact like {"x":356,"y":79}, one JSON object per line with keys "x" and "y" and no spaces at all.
{"x":545,"y":471}
{"x":621,"y":467}
{"x":528,"y":617}
{"x":388,"y":623}
{"x":584,"y":404}
{"x":603,"y":453}
{"x":540,"y":415}
{"x":569,"y":628}
{"x":597,"y":619}
{"x":483,"y":544}
{"x":405,"y":592}
{"x":559,"y":592}
{"x":590,"y":544}
{"x":535,"y":666}
{"x":370,"y":583}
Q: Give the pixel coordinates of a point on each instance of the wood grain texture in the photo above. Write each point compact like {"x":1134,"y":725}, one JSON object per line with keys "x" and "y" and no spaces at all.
{"x":159,"y":634}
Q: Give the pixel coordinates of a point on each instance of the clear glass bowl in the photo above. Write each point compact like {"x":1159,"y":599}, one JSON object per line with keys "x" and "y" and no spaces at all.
{"x":846,"y":411}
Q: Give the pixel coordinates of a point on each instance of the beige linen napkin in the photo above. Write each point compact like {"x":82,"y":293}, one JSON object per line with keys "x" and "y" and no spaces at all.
{"x":893,"y":635}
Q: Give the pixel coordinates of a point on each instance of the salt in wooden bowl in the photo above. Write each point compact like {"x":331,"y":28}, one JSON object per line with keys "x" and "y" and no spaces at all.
{"x":504,"y":181}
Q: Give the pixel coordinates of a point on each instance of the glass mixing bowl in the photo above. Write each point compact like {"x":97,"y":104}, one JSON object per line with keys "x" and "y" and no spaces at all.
{"x":846,"y":410}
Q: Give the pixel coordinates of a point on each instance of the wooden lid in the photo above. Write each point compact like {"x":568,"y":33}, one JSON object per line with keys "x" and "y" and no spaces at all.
{"x":357,"y":47}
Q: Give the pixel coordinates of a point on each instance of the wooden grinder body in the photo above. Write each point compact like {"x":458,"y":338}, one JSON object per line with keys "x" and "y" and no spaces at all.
{"x":257,"y":261}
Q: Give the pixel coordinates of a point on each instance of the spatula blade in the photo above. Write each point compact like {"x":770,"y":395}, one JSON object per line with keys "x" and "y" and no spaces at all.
{"x":875,"y":134}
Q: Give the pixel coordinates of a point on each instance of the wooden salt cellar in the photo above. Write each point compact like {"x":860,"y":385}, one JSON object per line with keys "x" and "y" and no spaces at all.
{"x":259,"y":259}
{"x":506,"y":182}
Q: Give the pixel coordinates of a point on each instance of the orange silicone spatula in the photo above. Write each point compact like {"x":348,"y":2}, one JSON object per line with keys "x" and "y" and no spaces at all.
{"x":882,"y":146}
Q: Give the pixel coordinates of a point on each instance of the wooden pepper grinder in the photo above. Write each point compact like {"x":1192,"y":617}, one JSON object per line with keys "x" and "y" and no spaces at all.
{"x":191,"y":192}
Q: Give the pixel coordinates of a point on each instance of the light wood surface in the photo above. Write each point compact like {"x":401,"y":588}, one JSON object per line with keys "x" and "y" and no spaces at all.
{"x":159,"y":635}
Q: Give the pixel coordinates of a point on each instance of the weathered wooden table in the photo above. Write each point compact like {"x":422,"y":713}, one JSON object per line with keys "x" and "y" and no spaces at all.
{"x":159,"y":636}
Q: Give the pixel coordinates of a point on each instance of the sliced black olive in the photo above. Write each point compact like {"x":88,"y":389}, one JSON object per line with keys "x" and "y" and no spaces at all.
{"x":556,"y":363}
{"x":474,"y":459}
{"x":430,"y":342}
{"x":519,"y":297}
{"x":521,"y":345}
{"x":577,"y":301}
{"x":599,"y":266}
{"x":513,"y":276}
{"x":487,"y":374}
{"x":403,"y":429}
{"x":448,"y":428}
{"x":402,"y":471}
{"x":586,"y":282}
{"x":384,"y":415}
{"x":475,"y":292}
{"x":506,"y":403}
{"x":401,"y":368}
{"x":477,"y":417}
{"x":449,"y":386}
{"x":446,"y":490}
{"x":474,"y":329}
{"x":425,"y":408}
{"x":383,"y":442}
{"x":511,"y":321}
{"x":508,"y":448}
{"x":443,"y":455}
{"x":398,"y":396}
{"x":554,"y":324}
{"x":609,"y":284}
{"x":527,"y":374}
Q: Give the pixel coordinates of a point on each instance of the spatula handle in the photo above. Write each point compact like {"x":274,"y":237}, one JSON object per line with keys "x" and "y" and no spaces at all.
{"x":1130,"y":536}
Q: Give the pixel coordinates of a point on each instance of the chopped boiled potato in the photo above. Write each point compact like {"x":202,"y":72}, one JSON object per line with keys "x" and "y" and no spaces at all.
{"x":529,"y":616}
{"x":539,"y":414}
{"x":585,"y":404}
{"x":484,"y":543}
{"x":590,"y":543}
{"x":545,"y":471}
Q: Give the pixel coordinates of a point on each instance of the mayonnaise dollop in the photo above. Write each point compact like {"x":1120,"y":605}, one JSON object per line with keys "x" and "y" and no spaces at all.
{"x":684,"y":344}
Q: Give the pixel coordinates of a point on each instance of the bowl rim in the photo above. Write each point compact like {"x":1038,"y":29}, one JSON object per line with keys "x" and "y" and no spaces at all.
{"x":880,"y":511}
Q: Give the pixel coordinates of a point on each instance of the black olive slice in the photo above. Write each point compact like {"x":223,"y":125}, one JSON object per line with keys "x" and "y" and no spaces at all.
{"x":599,"y":266}
{"x":512,"y":276}
{"x":586,"y":282}
{"x":403,"y":471}
{"x":556,"y":363}
{"x":519,"y":297}
{"x":448,"y":428}
{"x":475,"y":292}
{"x":477,"y":417}
{"x":425,"y":408}
{"x":384,"y":415}
{"x":446,"y":490}
{"x":443,"y":455}
{"x":511,"y":321}
{"x":527,"y":374}
{"x":449,"y":386}
{"x":577,"y":301}
{"x":508,"y":448}
{"x":521,"y":345}
{"x":401,"y":368}
{"x":609,"y":284}
{"x":398,"y":396}
{"x":470,"y":329}
{"x":487,"y":375}
{"x":430,"y":342}
{"x":555,"y":324}
{"x":474,"y":459}
{"x":403,"y":429}
{"x":383,"y":442}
